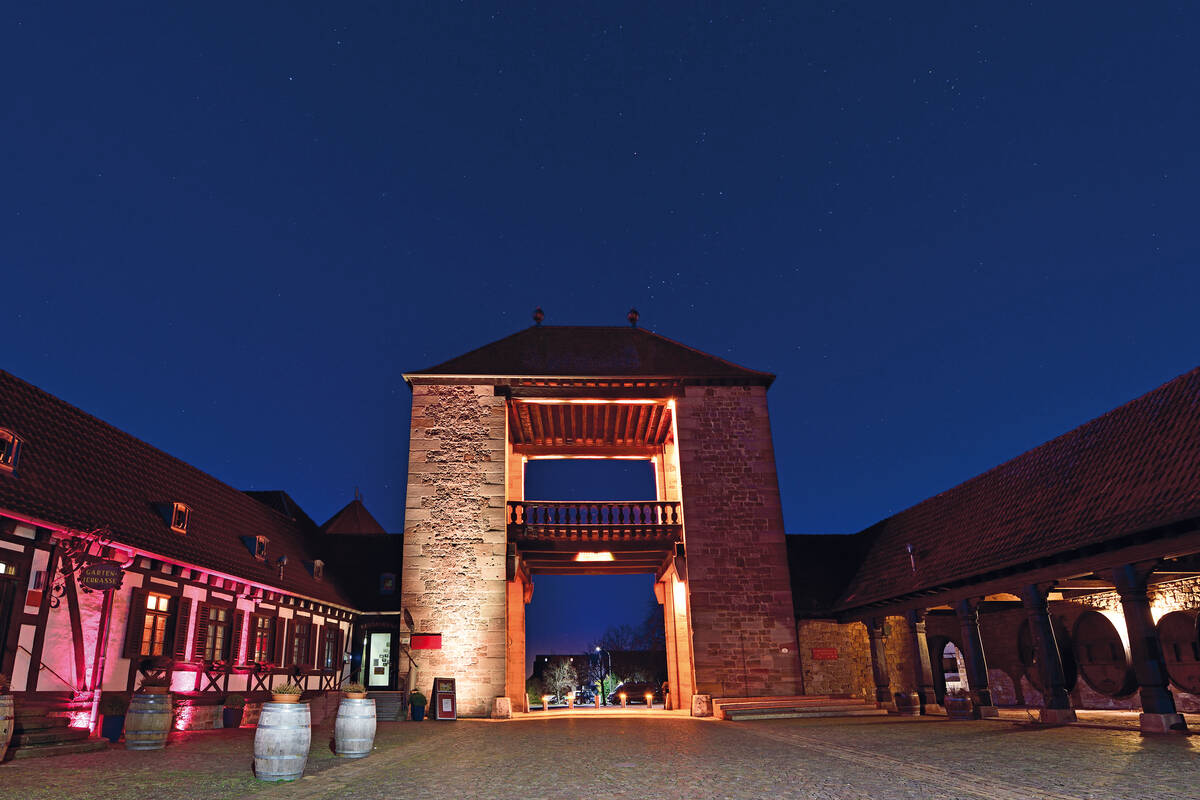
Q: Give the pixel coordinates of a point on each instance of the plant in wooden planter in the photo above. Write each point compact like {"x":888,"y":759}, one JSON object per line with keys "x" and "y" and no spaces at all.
{"x":958,"y":704}
{"x":155,"y":684}
{"x":6,"y":715}
{"x":286,"y":693}
{"x":113,"y":707}
{"x":418,"y":702}
{"x":355,"y":691}
{"x":232,"y":710}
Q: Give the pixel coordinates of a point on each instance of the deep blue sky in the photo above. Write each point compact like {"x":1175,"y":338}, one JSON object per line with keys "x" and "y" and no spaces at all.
{"x":954,"y":232}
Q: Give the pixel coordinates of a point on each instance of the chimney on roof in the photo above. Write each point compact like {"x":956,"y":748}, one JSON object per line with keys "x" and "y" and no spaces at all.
{"x":632,"y":316}
{"x":538,"y":316}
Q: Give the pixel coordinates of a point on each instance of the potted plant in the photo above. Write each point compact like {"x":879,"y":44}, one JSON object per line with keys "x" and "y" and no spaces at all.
{"x":417,"y":702}
{"x":6,"y":715}
{"x":286,"y":693}
{"x":959,"y":705}
{"x":155,"y":684}
{"x":113,"y":706}
{"x":232,"y":710}
{"x":355,"y":691}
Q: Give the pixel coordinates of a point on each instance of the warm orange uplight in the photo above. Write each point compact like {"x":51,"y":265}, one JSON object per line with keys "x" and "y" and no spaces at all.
{"x":587,"y":556}
{"x":546,"y":702}
{"x":623,"y":697}
{"x":649,"y":699}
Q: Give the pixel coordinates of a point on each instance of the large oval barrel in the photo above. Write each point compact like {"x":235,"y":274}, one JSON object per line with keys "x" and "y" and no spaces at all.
{"x":354,"y":729}
{"x":281,"y":741}
{"x":148,"y":721}
{"x":1103,"y":659}
{"x":6,"y":722}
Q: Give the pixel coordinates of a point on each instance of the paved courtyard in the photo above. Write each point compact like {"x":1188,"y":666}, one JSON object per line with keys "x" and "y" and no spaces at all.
{"x":631,"y":757}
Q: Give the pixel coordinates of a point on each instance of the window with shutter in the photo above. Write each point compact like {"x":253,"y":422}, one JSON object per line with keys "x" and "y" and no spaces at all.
{"x":133,"y":633}
{"x":301,"y":638}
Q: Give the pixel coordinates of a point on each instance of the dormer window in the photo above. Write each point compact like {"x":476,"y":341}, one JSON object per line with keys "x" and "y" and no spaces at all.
{"x":10,"y":449}
{"x":179,"y":518}
{"x":319,"y":569}
{"x":260,"y":547}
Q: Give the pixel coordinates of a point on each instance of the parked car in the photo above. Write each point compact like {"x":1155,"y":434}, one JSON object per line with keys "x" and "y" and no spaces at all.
{"x":635,"y":692}
{"x":584,"y":697}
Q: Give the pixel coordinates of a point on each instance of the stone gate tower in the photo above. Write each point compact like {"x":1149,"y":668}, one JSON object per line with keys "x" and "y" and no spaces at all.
{"x":714,"y":539}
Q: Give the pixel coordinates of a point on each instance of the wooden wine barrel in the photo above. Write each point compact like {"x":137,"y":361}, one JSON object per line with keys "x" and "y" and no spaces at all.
{"x":1181,"y":649}
{"x":281,"y":741}
{"x":1103,"y":660}
{"x":354,"y":729}
{"x":6,"y":723}
{"x":148,"y":721}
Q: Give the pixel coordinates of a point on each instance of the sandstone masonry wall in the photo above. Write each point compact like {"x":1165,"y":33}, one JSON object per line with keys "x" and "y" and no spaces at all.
{"x":739,"y":588}
{"x":455,"y":539}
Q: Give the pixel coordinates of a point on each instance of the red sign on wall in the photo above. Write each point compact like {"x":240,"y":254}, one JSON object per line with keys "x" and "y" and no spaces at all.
{"x":426,"y":641}
{"x":824,"y":654}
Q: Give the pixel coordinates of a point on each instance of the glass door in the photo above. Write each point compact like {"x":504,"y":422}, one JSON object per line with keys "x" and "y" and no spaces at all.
{"x":379,"y":660}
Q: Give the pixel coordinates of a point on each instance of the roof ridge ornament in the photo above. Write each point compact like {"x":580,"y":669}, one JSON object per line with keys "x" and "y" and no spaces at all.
{"x":632,"y":316}
{"x":538,"y":316}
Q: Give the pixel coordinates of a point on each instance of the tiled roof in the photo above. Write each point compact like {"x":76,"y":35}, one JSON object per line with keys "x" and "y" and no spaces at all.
{"x":353,"y":518}
{"x":81,"y":473}
{"x":1135,"y":468}
{"x":586,"y":351}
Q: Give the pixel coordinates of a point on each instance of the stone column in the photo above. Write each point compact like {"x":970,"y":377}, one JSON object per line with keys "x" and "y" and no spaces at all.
{"x":879,"y":665}
{"x":977,"y":677}
{"x":921,"y":665}
{"x":1158,"y":704}
{"x":1057,"y":703}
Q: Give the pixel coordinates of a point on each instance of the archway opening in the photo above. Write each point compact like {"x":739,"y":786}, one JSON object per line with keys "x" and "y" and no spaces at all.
{"x":595,"y":625}
{"x":954,"y":669}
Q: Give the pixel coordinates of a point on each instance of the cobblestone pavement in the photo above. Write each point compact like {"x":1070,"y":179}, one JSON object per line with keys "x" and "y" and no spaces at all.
{"x":667,"y":757}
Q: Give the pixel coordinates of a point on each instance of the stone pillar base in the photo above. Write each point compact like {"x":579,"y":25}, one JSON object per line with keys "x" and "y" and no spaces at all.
{"x":987,"y":712}
{"x":1056,"y":716}
{"x":1162,"y":723}
{"x":702,"y":705}
{"x":889,"y":706}
{"x":934,"y":710}
{"x":502,"y":708}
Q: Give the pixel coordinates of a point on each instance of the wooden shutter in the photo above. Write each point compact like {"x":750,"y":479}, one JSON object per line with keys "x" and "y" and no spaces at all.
{"x":201,"y":637}
{"x":235,"y":639}
{"x":341,"y":649}
{"x":183,"y":614}
{"x":137,"y":619}
{"x":279,"y":633}
{"x":319,"y":633}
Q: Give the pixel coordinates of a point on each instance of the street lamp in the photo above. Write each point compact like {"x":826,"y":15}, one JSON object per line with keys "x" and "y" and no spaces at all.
{"x":600,"y":662}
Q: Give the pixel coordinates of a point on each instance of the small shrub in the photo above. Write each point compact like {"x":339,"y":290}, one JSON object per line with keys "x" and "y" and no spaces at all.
{"x":287,"y":688}
{"x":4,"y":684}
{"x":155,"y":681}
{"x":234,"y":701}
{"x":113,"y":704}
{"x":354,"y":688}
{"x":417,"y":699}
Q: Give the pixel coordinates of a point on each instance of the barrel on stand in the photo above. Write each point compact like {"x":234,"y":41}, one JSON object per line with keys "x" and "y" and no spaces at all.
{"x":6,"y":722}
{"x":354,"y":729}
{"x":281,"y":741}
{"x":148,"y":721}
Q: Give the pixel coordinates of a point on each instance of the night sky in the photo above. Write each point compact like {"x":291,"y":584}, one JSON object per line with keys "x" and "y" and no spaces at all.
{"x":953,"y":233}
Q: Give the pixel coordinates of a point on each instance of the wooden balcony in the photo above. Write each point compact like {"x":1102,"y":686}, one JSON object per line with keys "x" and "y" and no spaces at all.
{"x":635,"y":537}
{"x":594,"y":521}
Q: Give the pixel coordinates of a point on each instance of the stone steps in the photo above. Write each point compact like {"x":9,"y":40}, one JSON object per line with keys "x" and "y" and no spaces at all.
{"x":41,"y":729}
{"x":65,"y":749}
{"x":792,"y":707}
{"x":389,"y":706}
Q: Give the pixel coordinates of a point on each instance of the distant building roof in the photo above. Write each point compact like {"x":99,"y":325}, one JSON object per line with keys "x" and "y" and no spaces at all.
{"x":352,"y":519}
{"x":586,"y":351}
{"x":1131,"y":470}
{"x":81,"y":473}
